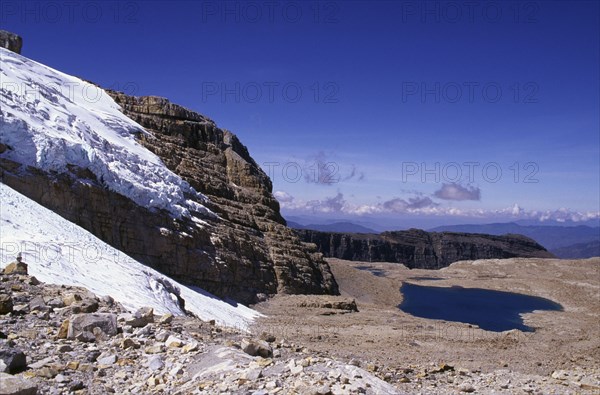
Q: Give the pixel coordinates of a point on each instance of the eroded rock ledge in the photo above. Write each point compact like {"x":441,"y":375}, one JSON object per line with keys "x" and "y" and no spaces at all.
{"x":422,"y":250}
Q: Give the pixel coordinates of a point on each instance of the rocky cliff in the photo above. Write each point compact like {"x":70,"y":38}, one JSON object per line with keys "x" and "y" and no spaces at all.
{"x":244,"y":252}
{"x":10,"y":41}
{"x":419,"y":249}
{"x":217,"y":164}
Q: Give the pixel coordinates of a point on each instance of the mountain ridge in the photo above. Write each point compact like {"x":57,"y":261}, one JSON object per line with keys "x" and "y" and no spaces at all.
{"x":416,"y":248}
{"x":550,"y":236}
{"x":208,"y":220}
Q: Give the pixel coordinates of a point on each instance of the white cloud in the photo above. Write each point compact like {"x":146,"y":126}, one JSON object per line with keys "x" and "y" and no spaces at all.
{"x":422,"y":205}
{"x":283,"y":197}
{"x":454,"y":191}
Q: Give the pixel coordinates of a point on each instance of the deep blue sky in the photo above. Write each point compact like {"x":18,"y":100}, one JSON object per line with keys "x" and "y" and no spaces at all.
{"x":362,"y":69}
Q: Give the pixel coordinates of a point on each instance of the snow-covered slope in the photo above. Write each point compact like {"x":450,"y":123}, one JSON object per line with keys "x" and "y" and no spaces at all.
{"x":52,"y":119}
{"x":61,"y":252}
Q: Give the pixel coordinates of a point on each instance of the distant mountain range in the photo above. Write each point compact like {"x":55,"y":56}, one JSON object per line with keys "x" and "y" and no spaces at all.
{"x":563,"y":241}
{"x":579,"y":250}
{"x":573,"y":240}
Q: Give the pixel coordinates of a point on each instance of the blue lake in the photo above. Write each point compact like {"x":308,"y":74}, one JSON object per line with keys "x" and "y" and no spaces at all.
{"x":490,"y":310}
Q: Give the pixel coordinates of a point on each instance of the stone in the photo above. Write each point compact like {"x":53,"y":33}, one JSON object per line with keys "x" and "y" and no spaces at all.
{"x":269,"y":338}
{"x":296,"y":369}
{"x":108,"y":300}
{"x":6,"y":304}
{"x":176,"y":370}
{"x":154,"y":349}
{"x":47,"y":372}
{"x":13,"y":359}
{"x":129,"y":343}
{"x":173,"y":341}
{"x":257,"y":348}
{"x":147,"y":313}
{"x":63,"y":330}
{"x":560,"y":375}
{"x":64,"y":348}
{"x":162,"y":336}
{"x":85,"y":323}
{"x":85,"y":306}
{"x":41,"y":363}
{"x":38,"y":304}
{"x":166,"y":319}
{"x":263,"y":362}
{"x":107,"y":359}
{"x":33,"y":281}
{"x":86,"y":337}
{"x":466,"y":387}
{"x":16,"y":385}
{"x":189,"y":347}
{"x":73,"y":365}
{"x":155,"y":362}
{"x":138,"y":319}
{"x":16,"y":268}
{"x":323,"y":390}
{"x":71,"y":298}
{"x":76,"y":385}
{"x":252,"y":374}
{"x":55,"y":303}
{"x":92,"y":355}
{"x":61,"y":378}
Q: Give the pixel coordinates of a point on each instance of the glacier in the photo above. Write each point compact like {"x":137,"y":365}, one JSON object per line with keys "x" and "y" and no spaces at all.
{"x":51,"y":119}
{"x":60,"y":252}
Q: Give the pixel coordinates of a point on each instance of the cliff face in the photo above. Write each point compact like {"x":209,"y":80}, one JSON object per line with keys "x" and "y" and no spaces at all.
{"x":10,"y":41}
{"x":419,"y":249}
{"x":245,"y":252}
{"x":217,"y":164}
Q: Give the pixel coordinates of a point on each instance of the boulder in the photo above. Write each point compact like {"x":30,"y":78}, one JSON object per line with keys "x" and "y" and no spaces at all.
{"x":16,"y":385}
{"x":38,"y":304}
{"x":140,"y":318}
{"x":85,"y":323}
{"x":257,"y":348}
{"x":12,"y":360}
{"x":16,"y":267}
{"x":6,"y":304}
{"x":70,"y":298}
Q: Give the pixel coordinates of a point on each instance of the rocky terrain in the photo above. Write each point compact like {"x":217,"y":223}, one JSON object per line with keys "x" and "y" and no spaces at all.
{"x":419,"y":249}
{"x":65,"y":340}
{"x":424,"y":356}
{"x":244,"y":252}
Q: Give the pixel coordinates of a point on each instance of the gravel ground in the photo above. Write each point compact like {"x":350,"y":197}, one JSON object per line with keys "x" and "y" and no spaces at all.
{"x":419,"y":355}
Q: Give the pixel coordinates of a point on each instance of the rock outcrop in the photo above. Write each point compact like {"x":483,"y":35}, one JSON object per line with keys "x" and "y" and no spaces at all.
{"x":423,"y":250}
{"x":218,"y":165}
{"x":11,"y":41}
{"x":246,"y":253}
